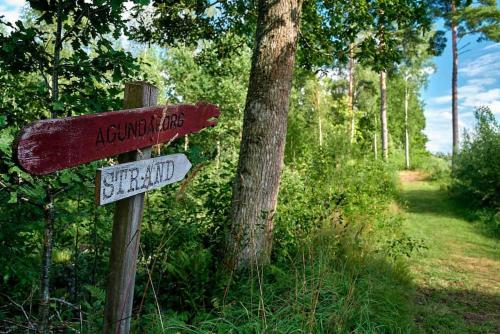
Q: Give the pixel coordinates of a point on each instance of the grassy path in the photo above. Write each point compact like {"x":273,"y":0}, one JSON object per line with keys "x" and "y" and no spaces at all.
{"x":458,"y":275}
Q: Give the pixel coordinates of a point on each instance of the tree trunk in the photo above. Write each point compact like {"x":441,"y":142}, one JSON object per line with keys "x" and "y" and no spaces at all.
{"x":320,"y":130}
{"x":454,"y":83}
{"x":375,"y":144}
{"x":264,"y":130}
{"x":350,"y":98}
{"x":407,"y":138}
{"x":217,"y":155}
{"x":318,"y":108}
{"x":383,"y":116}
{"x":44,"y":307}
{"x":43,"y":321}
{"x":55,"y":63}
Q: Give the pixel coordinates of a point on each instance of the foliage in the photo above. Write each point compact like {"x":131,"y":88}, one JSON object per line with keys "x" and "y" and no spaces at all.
{"x":472,"y":17}
{"x":437,"y":167}
{"x":332,"y":235}
{"x":339,"y":255}
{"x":89,"y":66}
{"x":476,"y":174}
{"x":331,"y":28}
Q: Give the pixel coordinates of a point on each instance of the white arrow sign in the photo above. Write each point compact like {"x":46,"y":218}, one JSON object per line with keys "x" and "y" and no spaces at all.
{"x":121,"y":181}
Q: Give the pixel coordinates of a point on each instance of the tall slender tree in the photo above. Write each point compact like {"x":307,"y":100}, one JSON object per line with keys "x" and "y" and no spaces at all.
{"x":466,"y":17}
{"x":407,"y":136}
{"x":416,"y":49}
{"x":372,"y":29}
{"x":37,"y":47}
{"x":350,"y":94}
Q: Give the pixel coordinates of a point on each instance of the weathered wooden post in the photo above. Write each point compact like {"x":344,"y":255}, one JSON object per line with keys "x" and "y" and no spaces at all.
{"x":46,"y":146}
{"x":126,"y":230}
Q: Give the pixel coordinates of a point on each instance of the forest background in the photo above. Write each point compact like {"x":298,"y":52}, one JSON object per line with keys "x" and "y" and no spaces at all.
{"x":338,"y":261}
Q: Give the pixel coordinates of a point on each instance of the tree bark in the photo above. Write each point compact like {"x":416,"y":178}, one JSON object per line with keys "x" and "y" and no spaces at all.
{"x":407,"y":138}
{"x":383,"y":115}
{"x":318,"y":109}
{"x":375,"y":144}
{"x":44,"y":306}
{"x":43,"y":313}
{"x":320,"y":128}
{"x":454,"y":83}
{"x":350,"y":98}
{"x":264,"y":130}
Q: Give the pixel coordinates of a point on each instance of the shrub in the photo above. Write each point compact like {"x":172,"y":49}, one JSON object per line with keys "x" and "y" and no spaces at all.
{"x":438,"y":167}
{"x":476,"y":170}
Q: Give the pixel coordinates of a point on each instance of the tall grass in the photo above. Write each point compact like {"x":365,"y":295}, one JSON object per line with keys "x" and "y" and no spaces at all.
{"x":325,"y":289}
{"x":337,"y":264}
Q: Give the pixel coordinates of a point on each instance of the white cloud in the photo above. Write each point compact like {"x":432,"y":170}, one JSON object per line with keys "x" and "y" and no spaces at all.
{"x":481,"y":81}
{"x":481,"y":98}
{"x":495,"y":107}
{"x":467,"y":90}
{"x":440,"y":99}
{"x":438,"y":128}
{"x":439,"y":139}
{"x":492,"y":46}
{"x":429,"y":70}
{"x":11,"y":9}
{"x":9,"y":15}
{"x":14,"y":3}
{"x":432,"y":112}
{"x":480,"y":86}
{"x":486,"y":65}
{"x":467,"y":115}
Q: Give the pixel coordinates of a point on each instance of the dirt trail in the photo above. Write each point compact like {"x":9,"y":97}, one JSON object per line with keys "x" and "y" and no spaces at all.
{"x":458,"y":274}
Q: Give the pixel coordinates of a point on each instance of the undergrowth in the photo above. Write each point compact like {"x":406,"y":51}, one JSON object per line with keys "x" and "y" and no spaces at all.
{"x":338,"y":262}
{"x":476,"y":172}
{"x":329,"y":287}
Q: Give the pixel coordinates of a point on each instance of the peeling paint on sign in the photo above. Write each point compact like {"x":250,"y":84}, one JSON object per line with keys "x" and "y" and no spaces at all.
{"x":50,"y":145}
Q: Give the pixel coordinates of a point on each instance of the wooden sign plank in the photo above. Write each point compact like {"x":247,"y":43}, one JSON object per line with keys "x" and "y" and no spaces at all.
{"x":50,"y":145}
{"x":121,"y":181}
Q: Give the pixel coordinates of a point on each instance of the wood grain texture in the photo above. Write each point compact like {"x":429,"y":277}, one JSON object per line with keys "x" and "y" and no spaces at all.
{"x":126,"y":234}
{"x":47,"y":146}
{"x":125,"y":180}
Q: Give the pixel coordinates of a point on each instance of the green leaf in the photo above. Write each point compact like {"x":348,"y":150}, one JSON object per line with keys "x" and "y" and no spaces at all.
{"x":58,"y":106}
{"x":117,"y":76}
{"x":6,"y":139}
{"x":13,"y":198}
{"x":66,"y":177}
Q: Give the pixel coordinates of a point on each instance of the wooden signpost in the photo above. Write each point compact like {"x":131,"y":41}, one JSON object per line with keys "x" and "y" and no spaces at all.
{"x":50,"y":145}
{"x":47,"y":146}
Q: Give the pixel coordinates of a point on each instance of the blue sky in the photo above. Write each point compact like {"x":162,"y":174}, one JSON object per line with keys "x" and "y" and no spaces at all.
{"x":11,"y":9}
{"x":478,"y":84}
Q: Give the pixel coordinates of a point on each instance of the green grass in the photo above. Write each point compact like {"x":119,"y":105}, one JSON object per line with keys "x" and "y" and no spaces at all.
{"x":336,"y":284}
{"x":330,"y":287}
{"x":458,"y":275}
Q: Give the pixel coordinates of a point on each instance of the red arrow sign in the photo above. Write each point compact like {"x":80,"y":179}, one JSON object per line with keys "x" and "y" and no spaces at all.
{"x":50,"y":145}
